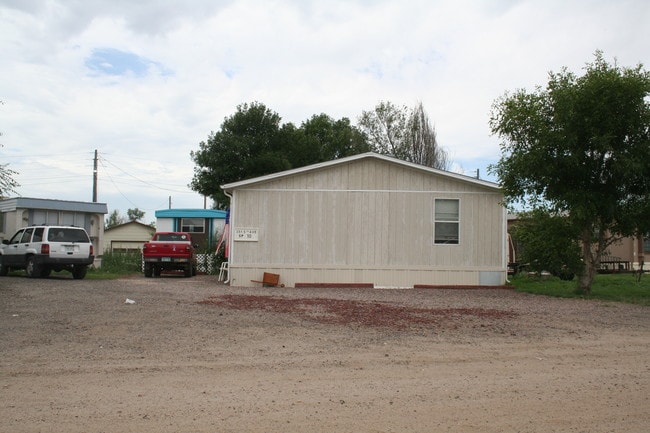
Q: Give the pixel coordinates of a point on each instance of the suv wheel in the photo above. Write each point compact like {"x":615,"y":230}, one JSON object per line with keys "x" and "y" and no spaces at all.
{"x":79,"y":272}
{"x":32,"y":269}
{"x":4,"y":270}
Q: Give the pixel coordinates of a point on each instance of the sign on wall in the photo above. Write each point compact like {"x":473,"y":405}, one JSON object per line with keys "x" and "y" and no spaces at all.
{"x":246,"y":235}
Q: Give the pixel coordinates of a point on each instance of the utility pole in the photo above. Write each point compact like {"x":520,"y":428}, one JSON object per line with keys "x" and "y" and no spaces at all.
{"x":95,"y":178}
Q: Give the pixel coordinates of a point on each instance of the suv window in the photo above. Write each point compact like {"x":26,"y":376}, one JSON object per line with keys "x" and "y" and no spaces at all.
{"x":15,"y":239}
{"x":27,"y":236}
{"x":61,"y":234}
{"x":38,"y":235}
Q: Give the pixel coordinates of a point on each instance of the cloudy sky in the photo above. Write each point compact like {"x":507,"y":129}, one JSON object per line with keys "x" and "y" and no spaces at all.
{"x":144,"y":82}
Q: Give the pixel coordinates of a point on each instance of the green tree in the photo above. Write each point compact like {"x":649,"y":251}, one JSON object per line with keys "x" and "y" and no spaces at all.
{"x":114,"y":219}
{"x":403,"y":133}
{"x":253,"y":142}
{"x":249,"y":144}
{"x":135,"y":214}
{"x":327,"y":139}
{"x":549,"y":243}
{"x":581,"y":147}
{"x":7,"y":183}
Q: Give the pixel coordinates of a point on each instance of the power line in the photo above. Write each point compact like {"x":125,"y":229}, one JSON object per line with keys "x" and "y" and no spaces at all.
{"x":152,"y":185}
{"x":72,"y":176}
{"x":67,"y":156}
{"x":120,"y":191}
{"x":42,"y":169}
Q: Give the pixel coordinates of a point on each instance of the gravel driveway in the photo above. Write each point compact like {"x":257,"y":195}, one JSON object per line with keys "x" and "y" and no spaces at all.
{"x":193,"y":355}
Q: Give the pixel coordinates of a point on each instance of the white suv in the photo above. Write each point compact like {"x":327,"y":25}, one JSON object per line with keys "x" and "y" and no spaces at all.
{"x":43,"y":249}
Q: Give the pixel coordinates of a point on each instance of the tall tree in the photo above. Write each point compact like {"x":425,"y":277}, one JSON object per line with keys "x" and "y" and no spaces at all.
{"x":328,"y":139}
{"x":253,"y":143}
{"x":135,"y":214}
{"x":385,"y":128}
{"x":403,"y":133}
{"x":249,"y":144}
{"x":114,"y":219}
{"x":581,"y":147}
{"x":7,"y":183}
{"x":423,"y":142}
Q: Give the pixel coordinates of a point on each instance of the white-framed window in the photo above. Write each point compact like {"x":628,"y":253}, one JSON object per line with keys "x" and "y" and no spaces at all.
{"x":193,"y":225}
{"x":446,"y":221}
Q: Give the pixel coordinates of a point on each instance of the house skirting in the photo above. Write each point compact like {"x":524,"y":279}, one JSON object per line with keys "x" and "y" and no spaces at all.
{"x":369,"y":277}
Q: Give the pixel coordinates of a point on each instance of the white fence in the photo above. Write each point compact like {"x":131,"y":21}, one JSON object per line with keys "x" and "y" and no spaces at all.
{"x":206,"y":264}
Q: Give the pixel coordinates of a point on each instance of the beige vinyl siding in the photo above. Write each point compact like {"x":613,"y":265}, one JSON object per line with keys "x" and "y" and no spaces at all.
{"x":127,"y":236}
{"x":366,"y":221}
{"x":380,"y":228}
{"x":359,"y":175}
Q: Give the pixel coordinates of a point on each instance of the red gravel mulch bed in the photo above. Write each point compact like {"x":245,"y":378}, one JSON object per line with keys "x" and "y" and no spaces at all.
{"x":351,"y":312}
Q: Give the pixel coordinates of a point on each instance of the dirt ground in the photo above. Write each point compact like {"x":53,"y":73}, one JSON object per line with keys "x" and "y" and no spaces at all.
{"x":193,"y":355}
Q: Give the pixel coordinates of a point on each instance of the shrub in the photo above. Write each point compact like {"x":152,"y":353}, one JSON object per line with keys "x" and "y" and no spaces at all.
{"x":122,"y":262}
{"x":549,"y":243}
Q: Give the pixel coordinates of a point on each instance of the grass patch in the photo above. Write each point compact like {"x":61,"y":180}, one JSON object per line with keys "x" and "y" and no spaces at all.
{"x":116,"y":265}
{"x":607,"y":287}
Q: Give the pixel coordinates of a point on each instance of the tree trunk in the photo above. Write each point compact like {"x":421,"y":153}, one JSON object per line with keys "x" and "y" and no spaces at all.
{"x":589,"y":271}
{"x":587,"y":277}
{"x":591,"y":256}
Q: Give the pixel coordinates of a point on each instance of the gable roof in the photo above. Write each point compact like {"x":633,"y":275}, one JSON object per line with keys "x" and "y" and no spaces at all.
{"x":136,"y":223}
{"x":369,"y":155}
{"x":191,"y":213}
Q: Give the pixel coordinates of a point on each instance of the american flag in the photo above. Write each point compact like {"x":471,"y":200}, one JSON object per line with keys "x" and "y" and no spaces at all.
{"x":225,"y":236}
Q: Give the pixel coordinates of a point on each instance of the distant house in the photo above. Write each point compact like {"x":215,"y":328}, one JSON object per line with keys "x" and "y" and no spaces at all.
{"x":127,"y":237}
{"x":204,"y":225}
{"x":22,"y":211}
{"x":626,"y":254}
{"x":367,"y":220}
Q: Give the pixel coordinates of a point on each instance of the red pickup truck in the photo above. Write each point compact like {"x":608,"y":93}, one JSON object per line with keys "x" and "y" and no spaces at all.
{"x":169,"y":251}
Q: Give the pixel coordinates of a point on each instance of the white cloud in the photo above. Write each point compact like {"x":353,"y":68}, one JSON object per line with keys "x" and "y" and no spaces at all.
{"x":192,"y":63}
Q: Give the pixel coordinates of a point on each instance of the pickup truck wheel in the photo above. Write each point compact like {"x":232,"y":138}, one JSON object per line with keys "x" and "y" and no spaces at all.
{"x":156,"y":271}
{"x":148,"y":270}
{"x":4,"y":270}
{"x":32,"y":269}
{"x":188,"y":271}
{"x":79,"y":272}
{"x":45,"y":272}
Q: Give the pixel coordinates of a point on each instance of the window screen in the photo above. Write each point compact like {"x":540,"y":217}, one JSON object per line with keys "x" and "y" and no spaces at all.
{"x":447,"y":221}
